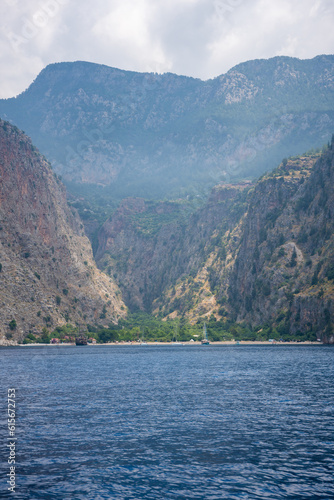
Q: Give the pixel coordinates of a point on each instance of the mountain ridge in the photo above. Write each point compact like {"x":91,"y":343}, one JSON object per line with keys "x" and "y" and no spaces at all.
{"x":239,"y":66}
{"x":153,"y":135}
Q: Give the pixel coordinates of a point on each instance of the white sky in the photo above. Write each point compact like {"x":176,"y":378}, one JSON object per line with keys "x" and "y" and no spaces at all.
{"x":200,"y":38}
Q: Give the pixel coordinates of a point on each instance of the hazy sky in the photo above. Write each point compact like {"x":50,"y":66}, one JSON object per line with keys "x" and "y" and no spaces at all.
{"x":200,"y":38}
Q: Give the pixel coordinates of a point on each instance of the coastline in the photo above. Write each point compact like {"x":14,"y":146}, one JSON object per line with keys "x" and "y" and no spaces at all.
{"x":221,"y":342}
{"x":171,"y":344}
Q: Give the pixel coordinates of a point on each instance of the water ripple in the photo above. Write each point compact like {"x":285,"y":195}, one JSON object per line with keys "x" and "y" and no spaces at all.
{"x":157,"y":423}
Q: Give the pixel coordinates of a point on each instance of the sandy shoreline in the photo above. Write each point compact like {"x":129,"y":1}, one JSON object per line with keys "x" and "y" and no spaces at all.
{"x":220,"y":343}
{"x":226,"y":342}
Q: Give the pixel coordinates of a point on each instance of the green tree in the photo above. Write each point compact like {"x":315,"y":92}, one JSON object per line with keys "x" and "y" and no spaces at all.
{"x":293,"y":260}
{"x":45,"y":336}
{"x":12,"y":324}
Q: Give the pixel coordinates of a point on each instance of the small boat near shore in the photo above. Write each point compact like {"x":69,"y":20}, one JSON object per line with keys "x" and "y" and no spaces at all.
{"x":143,"y":339}
{"x":205,"y":340}
{"x":81,"y":340}
{"x":175,"y":341}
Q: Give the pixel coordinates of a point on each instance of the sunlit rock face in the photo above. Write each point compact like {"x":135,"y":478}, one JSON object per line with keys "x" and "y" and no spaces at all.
{"x":48,"y":276}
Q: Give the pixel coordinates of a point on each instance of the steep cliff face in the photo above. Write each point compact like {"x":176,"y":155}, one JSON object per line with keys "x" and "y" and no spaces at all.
{"x":135,"y":247}
{"x":157,"y":136}
{"x":47,"y":273}
{"x":154,"y":249}
{"x":256,"y":254}
{"x":283,"y":274}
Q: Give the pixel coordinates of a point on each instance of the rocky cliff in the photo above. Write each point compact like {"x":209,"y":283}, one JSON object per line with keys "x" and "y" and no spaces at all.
{"x":283,"y":274}
{"x":257,"y":254}
{"x":157,"y":136}
{"x":156,"y":249}
{"x":47,"y":273}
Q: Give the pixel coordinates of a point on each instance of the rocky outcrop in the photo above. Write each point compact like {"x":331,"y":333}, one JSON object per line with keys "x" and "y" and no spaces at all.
{"x":284,"y":271}
{"x":47,"y":273}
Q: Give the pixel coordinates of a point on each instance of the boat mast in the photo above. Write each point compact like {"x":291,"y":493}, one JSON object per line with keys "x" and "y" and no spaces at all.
{"x":205,"y":335}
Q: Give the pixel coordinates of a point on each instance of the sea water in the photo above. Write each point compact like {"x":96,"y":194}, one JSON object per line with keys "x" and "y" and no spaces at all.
{"x":169,"y":422}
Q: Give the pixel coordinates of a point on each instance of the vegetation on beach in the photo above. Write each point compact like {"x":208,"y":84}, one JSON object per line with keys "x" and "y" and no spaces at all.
{"x":142,"y":326}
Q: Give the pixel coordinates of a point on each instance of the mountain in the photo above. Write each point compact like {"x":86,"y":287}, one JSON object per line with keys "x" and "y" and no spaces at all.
{"x":146,"y":246}
{"x":139,"y":134}
{"x":47,"y":273}
{"x":284,"y":270}
{"x":259,"y":254}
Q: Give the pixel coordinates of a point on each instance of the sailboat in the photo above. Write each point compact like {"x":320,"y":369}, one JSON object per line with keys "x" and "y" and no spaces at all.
{"x":205,"y":340}
{"x":81,"y":338}
{"x":143,"y":341}
{"x":174,"y":341}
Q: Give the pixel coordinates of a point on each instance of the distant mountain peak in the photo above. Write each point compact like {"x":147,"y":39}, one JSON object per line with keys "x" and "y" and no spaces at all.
{"x":163,"y":135}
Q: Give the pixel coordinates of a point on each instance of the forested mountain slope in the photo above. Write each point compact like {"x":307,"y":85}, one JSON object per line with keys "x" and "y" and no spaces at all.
{"x":151,"y":135}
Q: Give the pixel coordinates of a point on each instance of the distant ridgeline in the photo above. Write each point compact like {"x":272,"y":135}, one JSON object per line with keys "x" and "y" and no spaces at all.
{"x":150,"y":135}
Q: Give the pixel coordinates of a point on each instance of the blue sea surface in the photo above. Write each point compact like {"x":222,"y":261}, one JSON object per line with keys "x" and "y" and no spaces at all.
{"x":170,"y":422}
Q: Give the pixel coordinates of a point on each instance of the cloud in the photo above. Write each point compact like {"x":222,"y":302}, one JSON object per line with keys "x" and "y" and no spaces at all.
{"x":265,"y":29}
{"x":200,"y":38}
